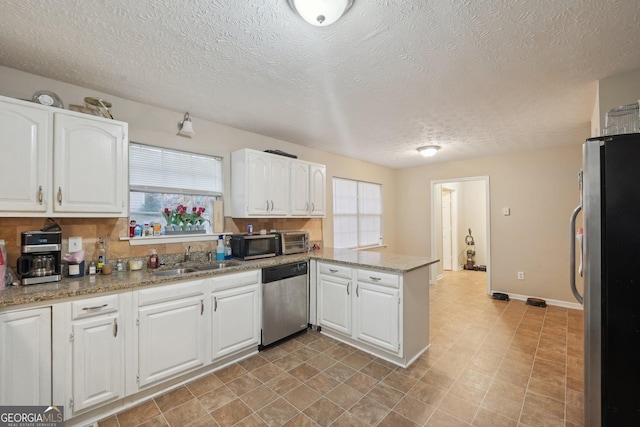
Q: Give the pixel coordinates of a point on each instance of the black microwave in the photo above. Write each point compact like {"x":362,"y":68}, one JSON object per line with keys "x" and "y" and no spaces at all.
{"x":254,"y":246}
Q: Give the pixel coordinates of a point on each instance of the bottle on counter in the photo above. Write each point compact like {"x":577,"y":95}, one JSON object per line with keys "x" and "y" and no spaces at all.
{"x":120,"y":265}
{"x":132,"y":228}
{"x":249,"y":229}
{"x":220,"y":249}
{"x":153,"y":259}
{"x":92,"y":267}
{"x":102,"y":254}
{"x":227,"y":248}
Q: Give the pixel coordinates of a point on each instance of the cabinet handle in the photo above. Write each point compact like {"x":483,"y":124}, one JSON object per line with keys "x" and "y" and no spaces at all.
{"x":375,"y":278}
{"x":272,"y":206}
{"x":313,"y":207}
{"x":267,"y":206}
{"x":60,"y":196}
{"x":348,"y":286}
{"x":201,"y":307}
{"x":307,"y":206}
{"x":332,"y":270}
{"x":357,"y":294}
{"x":40,"y":195}
{"x":115,"y":327}
{"x":95,"y":307}
{"x":215,"y":303}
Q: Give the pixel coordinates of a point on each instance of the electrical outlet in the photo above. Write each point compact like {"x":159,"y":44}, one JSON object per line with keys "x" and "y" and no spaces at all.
{"x":520,"y":275}
{"x":506,"y":211}
{"x":75,"y":244}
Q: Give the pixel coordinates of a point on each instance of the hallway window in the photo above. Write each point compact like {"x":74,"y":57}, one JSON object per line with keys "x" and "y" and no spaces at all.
{"x":357,"y":213}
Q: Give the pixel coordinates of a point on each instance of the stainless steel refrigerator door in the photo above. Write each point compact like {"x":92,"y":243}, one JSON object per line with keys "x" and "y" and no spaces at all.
{"x":284,"y":308}
{"x":592,"y":217}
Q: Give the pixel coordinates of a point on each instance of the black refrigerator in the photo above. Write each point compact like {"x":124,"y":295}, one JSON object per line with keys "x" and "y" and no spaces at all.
{"x":610,"y":264}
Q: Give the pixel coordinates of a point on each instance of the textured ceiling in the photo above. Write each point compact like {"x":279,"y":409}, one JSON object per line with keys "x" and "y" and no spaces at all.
{"x":476,"y":77}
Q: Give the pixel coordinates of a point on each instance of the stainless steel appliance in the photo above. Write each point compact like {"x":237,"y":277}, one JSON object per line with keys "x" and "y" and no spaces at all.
{"x":40,"y":259}
{"x":285,"y":301}
{"x":610,"y":202}
{"x":254,"y":246}
{"x":293,"y":242}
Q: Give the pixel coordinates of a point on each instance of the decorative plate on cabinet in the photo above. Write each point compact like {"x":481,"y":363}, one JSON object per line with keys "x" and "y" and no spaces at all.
{"x":46,"y":97}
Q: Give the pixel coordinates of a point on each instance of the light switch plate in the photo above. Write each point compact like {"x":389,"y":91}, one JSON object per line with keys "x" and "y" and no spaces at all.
{"x":75,"y":244}
{"x":506,"y":211}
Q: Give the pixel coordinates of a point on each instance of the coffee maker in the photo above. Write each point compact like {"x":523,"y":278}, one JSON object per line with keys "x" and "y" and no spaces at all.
{"x":40,"y":261}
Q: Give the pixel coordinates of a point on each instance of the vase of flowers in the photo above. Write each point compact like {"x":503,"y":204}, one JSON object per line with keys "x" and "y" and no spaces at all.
{"x":184,"y":220}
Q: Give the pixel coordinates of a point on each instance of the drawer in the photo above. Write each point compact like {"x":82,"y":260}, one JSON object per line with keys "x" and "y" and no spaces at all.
{"x":379,"y":278}
{"x":334,"y":270}
{"x":170,"y":292}
{"x":235,"y":280}
{"x":97,"y":306}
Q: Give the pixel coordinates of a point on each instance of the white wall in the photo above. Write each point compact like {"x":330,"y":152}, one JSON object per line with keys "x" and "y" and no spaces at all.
{"x":540,"y":187}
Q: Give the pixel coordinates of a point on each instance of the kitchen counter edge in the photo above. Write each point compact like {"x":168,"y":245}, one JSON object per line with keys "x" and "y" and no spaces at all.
{"x":120,"y":281}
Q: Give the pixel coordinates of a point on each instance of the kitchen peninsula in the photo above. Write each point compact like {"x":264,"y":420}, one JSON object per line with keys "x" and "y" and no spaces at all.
{"x":100,"y":344}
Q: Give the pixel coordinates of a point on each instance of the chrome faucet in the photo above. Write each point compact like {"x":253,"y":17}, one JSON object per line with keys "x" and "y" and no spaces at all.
{"x":187,"y":254}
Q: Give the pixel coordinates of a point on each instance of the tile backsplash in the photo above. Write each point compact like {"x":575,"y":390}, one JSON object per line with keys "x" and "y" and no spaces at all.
{"x":90,"y":229}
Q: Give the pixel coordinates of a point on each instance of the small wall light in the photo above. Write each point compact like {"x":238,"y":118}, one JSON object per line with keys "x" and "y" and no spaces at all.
{"x":428,"y":150}
{"x":320,"y":12}
{"x":185,"y":127}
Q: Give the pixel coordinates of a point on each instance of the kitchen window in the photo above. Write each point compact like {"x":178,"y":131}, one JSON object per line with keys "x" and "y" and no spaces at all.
{"x":357,"y":213}
{"x":161,"y":177}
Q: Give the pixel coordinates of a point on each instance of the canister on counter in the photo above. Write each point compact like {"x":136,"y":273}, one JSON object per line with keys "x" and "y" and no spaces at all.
{"x":249,"y":229}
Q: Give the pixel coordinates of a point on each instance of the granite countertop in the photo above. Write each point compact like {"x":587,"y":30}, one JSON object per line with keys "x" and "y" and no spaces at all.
{"x":118,"y":281}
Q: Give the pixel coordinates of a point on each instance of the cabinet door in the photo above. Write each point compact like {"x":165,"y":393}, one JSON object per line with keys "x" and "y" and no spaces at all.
{"x":318,"y":190}
{"x":25,"y":358}
{"x":171,"y":339}
{"x":334,"y":303}
{"x":299,"y":188}
{"x":279,"y":186}
{"x":258,"y":173}
{"x":25,"y":142}
{"x":235,"y":324}
{"x":90,"y":166}
{"x":377,"y":309}
{"x":98,"y":361}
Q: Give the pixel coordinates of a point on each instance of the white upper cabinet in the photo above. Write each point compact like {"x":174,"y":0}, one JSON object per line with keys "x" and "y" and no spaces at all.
{"x":259,"y":184}
{"x":264,"y":184}
{"x":61,"y":163}
{"x":89,"y":165}
{"x":25,"y":144}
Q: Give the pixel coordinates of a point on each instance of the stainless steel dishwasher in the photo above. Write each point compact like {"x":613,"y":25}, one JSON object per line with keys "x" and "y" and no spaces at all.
{"x":285,"y":301}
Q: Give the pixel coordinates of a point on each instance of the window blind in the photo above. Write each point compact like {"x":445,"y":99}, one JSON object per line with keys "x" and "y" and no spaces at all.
{"x":357,"y":213}
{"x":162,"y":170}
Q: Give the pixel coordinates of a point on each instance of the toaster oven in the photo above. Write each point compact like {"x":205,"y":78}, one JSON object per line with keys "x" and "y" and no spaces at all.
{"x":293,"y":242}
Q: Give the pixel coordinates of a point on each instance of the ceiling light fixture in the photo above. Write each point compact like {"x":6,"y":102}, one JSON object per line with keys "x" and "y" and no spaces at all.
{"x":320,"y":12}
{"x":185,"y":127}
{"x":428,"y":150}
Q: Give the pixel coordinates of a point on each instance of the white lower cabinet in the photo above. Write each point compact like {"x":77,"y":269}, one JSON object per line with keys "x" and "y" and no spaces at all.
{"x":378,"y":313}
{"x":97,"y":352}
{"x":170,"y":331}
{"x":25,"y":357}
{"x":362,"y":305}
{"x":235,"y":320}
{"x":334,"y":303}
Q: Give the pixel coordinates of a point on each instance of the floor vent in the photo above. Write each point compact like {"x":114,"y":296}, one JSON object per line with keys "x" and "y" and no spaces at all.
{"x":500,"y":296}
{"x":536,"y":302}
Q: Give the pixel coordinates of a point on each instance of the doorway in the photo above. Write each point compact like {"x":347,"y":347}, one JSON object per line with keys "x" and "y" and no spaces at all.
{"x":457,"y":206}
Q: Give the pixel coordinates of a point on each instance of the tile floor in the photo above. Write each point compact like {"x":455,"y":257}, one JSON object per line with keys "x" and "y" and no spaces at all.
{"x":491,"y":363}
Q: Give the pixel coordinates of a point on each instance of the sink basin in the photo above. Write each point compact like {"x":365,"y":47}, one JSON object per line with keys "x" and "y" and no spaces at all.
{"x":174,"y":271}
{"x":216,"y":266}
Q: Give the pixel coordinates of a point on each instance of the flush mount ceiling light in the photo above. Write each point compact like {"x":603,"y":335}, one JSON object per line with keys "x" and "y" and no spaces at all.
{"x":185,"y":127}
{"x":320,"y":12}
{"x":428,"y":150}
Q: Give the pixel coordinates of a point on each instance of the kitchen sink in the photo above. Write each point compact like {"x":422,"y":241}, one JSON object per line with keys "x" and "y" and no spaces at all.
{"x":216,"y":266}
{"x":175,"y":271}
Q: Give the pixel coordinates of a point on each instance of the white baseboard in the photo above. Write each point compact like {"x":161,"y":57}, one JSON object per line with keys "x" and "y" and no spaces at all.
{"x":558,"y":303}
